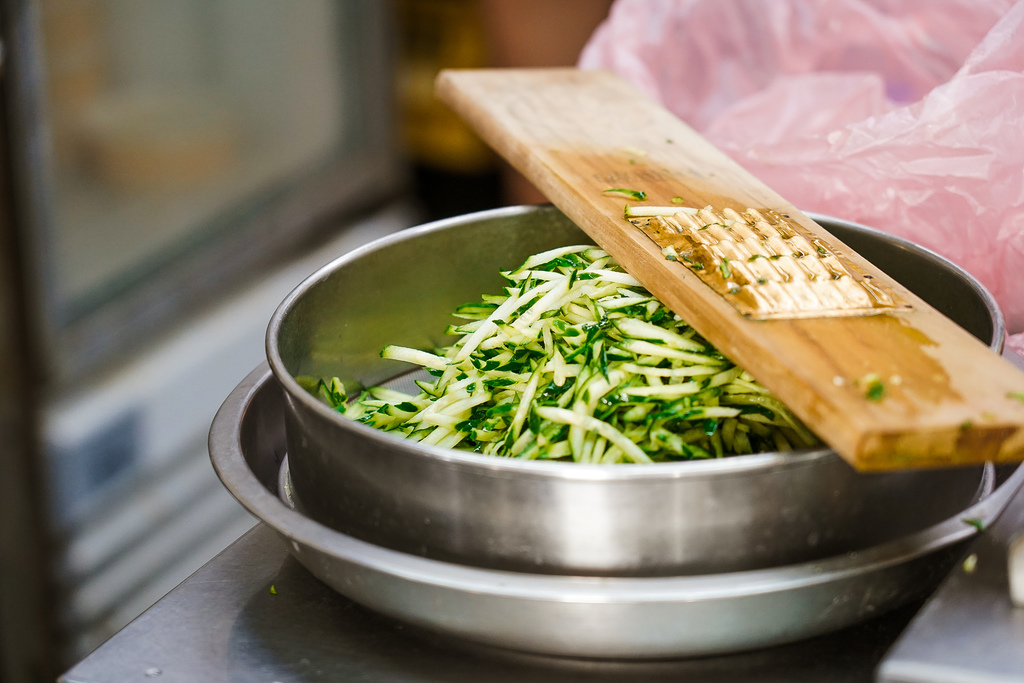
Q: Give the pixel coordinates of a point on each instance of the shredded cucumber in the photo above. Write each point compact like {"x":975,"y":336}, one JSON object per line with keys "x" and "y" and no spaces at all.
{"x":576,"y":361}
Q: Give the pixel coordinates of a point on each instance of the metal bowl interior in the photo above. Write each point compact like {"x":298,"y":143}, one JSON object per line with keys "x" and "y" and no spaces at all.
{"x":670,"y":518}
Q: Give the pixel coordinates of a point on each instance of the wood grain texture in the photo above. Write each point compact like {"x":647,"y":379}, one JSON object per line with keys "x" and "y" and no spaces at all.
{"x":949,"y":399}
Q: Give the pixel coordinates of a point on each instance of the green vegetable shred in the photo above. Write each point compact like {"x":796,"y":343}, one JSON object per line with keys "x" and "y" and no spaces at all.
{"x":577,"y":362}
{"x":975,"y":522}
{"x":874,"y":388}
{"x":635,"y":195}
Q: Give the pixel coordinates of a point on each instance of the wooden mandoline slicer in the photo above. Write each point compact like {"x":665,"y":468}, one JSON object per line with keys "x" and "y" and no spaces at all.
{"x":878,"y":374}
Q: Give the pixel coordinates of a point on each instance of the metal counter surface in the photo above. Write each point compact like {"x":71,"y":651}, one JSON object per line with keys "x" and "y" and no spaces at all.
{"x":223,"y":624}
{"x":968,"y":631}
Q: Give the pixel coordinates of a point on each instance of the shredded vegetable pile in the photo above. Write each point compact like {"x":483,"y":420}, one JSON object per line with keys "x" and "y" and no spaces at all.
{"x":577,"y":362}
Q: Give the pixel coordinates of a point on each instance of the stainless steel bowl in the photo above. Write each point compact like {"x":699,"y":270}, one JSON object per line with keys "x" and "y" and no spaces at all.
{"x":733,"y":514}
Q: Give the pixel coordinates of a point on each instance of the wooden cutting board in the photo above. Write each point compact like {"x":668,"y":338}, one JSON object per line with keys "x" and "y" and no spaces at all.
{"x":877,"y":373}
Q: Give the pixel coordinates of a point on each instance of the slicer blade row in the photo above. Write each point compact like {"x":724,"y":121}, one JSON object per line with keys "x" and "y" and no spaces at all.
{"x":766,"y":265}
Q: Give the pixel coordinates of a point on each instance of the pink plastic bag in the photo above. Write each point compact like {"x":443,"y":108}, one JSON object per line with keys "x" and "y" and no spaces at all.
{"x":904,"y":115}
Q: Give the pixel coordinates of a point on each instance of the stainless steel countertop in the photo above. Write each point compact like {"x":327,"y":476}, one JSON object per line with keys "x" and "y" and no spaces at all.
{"x":969,"y":631}
{"x":223,"y":624}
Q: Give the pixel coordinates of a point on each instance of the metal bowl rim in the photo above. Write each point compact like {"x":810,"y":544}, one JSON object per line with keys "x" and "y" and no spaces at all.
{"x":757,"y":462}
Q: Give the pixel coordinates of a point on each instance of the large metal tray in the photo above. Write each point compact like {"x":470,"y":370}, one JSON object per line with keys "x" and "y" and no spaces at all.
{"x":582,"y":616}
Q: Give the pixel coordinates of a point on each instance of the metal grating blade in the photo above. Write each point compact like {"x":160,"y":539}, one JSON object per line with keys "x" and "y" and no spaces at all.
{"x":767,"y":266}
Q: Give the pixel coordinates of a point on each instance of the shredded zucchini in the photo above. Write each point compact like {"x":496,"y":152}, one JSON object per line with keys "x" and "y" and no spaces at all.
{"x":577,"y":362}
{"x":635,"y":195}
